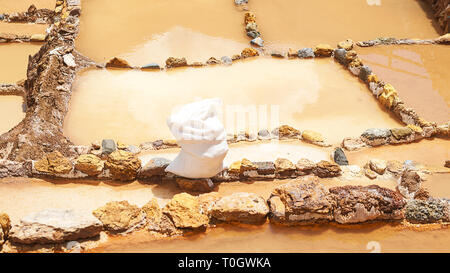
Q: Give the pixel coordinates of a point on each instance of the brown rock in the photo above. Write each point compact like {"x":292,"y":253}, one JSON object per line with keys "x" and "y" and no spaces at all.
{"x":247,"y":165}
{"x":184,"y":211}
{"x":305,"y":166}
{"x":347,"y":44}
{"x":327,"y":169}
{"x":353,"y":144}
{"x":304,"y":201}
{"x":311,"y":136}
{"x":286,"y":131}
{"x":249,"y":52}
{"x":123,"y":165}
{"x":53,"y":163}
{"x":152,"y":211}
{"x":401,"y":133}
{"x":394,"y":166}
{"x":119,"y":216}
{"x":5,"y":226}
{"x":422,"y":194}
{"x":175,"y":62}
{"x":241,"y":207}
{"x":356,"y":204}
{"x":369,"y":173}
{"x":249,"y":18}
{"x":377,"y":165}
{"x":117,"y":63}
{"x":37,"y":37}
{"x":409,"y":183}
{"x":195,"y":185}
{"x":89,"y":164}
{"x":323,"y":50}
{"x":284,"y":167}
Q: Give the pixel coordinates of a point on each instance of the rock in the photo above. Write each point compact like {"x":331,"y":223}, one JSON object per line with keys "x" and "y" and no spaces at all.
{"x":430,"y":211}
{"x":258,"y":41}
{"x":196,"y":185}
{"x":108,"y":146}
{"x":10,"y":168}
{"x":240,"y":2}
{"x":37,"y":37}
{"x":364,"y":72}
{"x":89,"y":164}
{"x":447,"y":164}
{"x":376,"y":137}
{"x":54,"y":226}
{"x":284,"y":167}
{"x":369,"y":173}
{"x":305,"y":53}
{"x":69,"y":60}
{"x":422,"y":194}
{"x":251,"y":27}
{"x":241,"y":207}
{"x":340,"y":56}
{"x":353,"y":144}
{"x":152,"y":211}
{"x":151,"y":66}
{"x":389,"y":97}
{"x":409,"y":183}
{"x":305,"y":166}
{"x":123,"y":165}
{"x":323,"y":50}
{"x":253,"y":34}
{"x":155,"y":167}
{"x":286,"y":131}
{"x":156,"y":220}
{"x":311,"y":136}
{"x":278,"y":54}
{"x":53,"y":163}
{"x":249,"y":17}
{"x":356,"y":204}
{"x":226,"y":60}
{"x":326,"y":169}
{"x":184,"y":211}
{"x":119,"y":216}
{"x":133,"y":149}
{"x":175,"y":62}
{"x":249,"y":52}
{"x":264,"y":134}
{"x":339,"y":157}
{"x":444,"y":39}
{"x":5,"y":226}
{"x":347,"y":44}
{"x":401,"y":133}
{"x":394,"y":166}
{"x":377,"y":165}
{"x":247,"y":165}
{"x":265,"y":167}
{"x":117,"y":63}
{"x":235,"y":167}
{"x":304,"y":201}
{"x":212,"y":60}
{"x":292,"y":53}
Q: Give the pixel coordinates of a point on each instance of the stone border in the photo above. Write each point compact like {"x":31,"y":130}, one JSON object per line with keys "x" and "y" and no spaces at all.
{"x":32,"y":15}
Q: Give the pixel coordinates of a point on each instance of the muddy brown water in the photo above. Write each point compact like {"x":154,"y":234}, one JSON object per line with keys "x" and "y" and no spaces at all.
{"x":132,"y":106}
{"x":141,"y":32}
{"x":15,"y":61}
{"x":297,"y":24}
{"x":419,"y":73}
{"x":11,"y":112}
{"x":9,"y":6}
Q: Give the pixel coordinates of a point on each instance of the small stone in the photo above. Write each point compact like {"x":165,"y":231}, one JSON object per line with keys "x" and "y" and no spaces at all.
{"x":37,"y":38}
{"x":369,"y":173}
{"x":184,"y":211}
{"x":69,"y":60}
{"x":311,"y":136}
{"x":249,"y":17}
{"x":151,"y":66}
{"x":108,"y":146}
{"x":284,"y":167}
{"x":54,"y":226}
{"x":5,"y":226}
{"x":212,"y":60}
{"x":327,"y":169}
{"x":152,"y":211}
{"x":394,"y":166}
{"x":89,"y":164}
{"x":364,"y":72}
{"x":430,"y":211}
{"x":123,"y":165}
{"x":226,"y":60}
{"x":339,"y":157}
{"x":235,"y":167}
{"x":278,"y":54}
{"x":253,"y":34}
{"x":251,"y":27}
{"x":175,"y":62}
{"x":444,"y":39}
{"x":353,"y":144}
{"x":286,"y":131}
{"x":117,"y":63}
{"x":119,"y":216}
{"x":241,"y":207}
{"x":347,"y":44}
{"x":247,"y":165}
{"x":305,"y":166}
{"x":305,"y":53}
{"x":258,"y":41}
{"x":53,"y":163}
{"x":155,"y":167}
{"x":401,"y":133}
{"x":195,"y":185}
{"x":410,"y":182}
{"x":249,"y":52}
{"x":240,"y":2}
{"x":447,"y":164}
{"x":376,"y":137}
{"x":323,"y":50}
{"x":340,"y":55}
{"x":377,"y":165}
{"x":264,"y":134}
{"x":292,"y":53}
{"x":265,"y":167}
